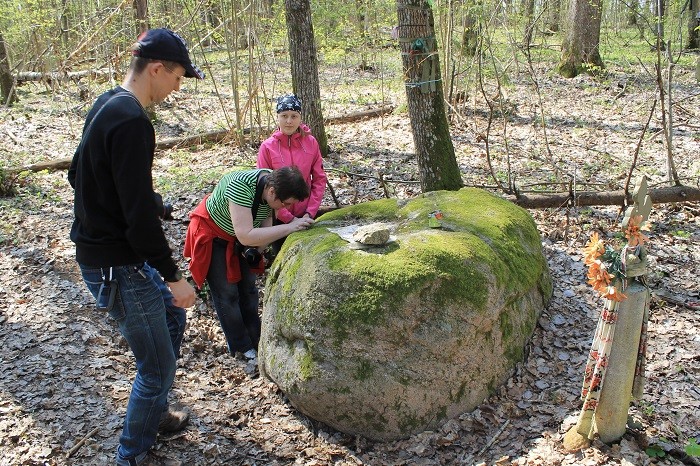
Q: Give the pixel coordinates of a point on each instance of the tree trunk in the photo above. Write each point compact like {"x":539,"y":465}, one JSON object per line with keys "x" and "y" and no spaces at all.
{"x":361,"y":28}
{"x":64,"y":24}
{"x":659,"y":8}
{"x":529,"y":14}
{"x":553,"y":16}
{"x":267,"y":8}
{"x":470,"y":38}
{"x":580,"y":46}
{"x":632,"y":12}
{"x":302,"y":51}
{"x":7,"y":87}
{"x":694,"y":25}
{"x":141,"y":7}
{"x":426,"y":106}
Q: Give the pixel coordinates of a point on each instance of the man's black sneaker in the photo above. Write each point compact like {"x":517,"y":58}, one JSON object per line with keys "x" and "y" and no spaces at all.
{"x":173,"y":419}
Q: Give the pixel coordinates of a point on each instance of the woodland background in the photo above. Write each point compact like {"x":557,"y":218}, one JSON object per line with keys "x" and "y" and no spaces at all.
{"x":514,"y":122}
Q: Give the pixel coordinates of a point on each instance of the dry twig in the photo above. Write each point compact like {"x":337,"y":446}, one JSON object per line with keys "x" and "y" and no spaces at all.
{"x":81,"y":442}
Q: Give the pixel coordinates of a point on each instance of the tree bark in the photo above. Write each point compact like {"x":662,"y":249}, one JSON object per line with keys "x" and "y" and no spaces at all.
{"x":529,"y":14}
{"x":632,"y":12}
{"x":361,"y":29}
{"x":302,"y":51}
{"x":437,"y":164}
{"x":694,"y":25}
{"x":659,"y":8}
{"x":64,"y":23}
{"x":470,"y":38}
{"x":553,"y":16}
{"x":580,"y":46}
{"x":141,"y":7}
{"x":7,"y":87}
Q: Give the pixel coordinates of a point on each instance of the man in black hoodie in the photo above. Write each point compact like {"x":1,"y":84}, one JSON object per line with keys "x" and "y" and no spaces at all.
{"x":121,"y":248}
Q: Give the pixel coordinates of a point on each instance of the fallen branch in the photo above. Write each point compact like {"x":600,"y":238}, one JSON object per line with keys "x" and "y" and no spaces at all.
{"x":379,"y":178}
{"x":220,"y":135}
{"x":588,"y":198}
{"x":375,"y":112}
{"x":64,"y":163}
{"x":57,"y":76}
{"x":470,"y":458}
{"x":81,"y":442}
{"x":667,"y":296}
{"x":210,"y":137}
{"x":493,"y":439}
{"x":58,"y":164}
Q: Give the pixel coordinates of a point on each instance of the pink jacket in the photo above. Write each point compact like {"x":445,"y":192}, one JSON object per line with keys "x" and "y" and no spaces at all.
{"x":300,"y":149}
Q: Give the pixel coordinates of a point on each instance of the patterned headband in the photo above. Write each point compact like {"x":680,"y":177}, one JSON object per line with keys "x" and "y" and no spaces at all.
{"x":288,"y":102}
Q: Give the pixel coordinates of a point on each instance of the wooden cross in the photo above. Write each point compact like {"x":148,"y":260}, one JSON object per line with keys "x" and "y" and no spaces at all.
{"x":641,"y":202}
{"x":636,"y":261}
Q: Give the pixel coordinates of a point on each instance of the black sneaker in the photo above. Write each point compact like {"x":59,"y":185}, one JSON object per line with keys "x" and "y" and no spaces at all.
{"x":248,"y":356}
{"x":172,"y":420}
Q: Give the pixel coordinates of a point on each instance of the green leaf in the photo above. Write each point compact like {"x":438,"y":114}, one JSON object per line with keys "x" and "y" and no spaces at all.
{"x":692,"y":449}
{"x":655,"y":451}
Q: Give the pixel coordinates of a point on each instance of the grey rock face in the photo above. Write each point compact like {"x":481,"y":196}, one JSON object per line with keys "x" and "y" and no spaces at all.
{"x":396,"y":339}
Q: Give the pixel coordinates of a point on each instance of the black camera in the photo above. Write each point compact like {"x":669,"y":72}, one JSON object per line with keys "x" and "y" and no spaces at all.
{"x":252,"y":256}
{"x":165,"y":210}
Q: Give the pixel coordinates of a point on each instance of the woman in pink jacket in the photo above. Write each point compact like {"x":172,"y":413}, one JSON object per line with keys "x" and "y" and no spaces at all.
{"x":293,"y":144}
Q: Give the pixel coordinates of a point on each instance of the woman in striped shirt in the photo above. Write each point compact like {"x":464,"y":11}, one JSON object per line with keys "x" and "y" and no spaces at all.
{"x":227,"y":231}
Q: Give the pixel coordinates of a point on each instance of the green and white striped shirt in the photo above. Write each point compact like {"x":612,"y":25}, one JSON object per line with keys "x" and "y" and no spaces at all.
{"x":237,"y":187}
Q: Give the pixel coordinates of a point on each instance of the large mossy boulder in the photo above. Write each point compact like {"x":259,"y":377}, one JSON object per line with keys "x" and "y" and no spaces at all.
{"x":390,"y":340}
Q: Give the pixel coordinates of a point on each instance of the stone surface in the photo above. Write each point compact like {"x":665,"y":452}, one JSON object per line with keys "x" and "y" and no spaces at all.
{"x":396,"y":339}
{"x":374,"y":234}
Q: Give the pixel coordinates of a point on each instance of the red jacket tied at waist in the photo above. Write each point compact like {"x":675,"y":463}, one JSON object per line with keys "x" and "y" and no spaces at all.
{"x":198,"y":245}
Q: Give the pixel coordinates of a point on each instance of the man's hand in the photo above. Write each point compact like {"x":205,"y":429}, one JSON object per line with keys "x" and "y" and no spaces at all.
{"x":183,"y":293}
{"x":303,"y":223}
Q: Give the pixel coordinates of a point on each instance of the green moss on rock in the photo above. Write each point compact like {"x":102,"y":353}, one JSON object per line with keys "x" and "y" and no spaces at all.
{"x":383,"y":209}
{"x":364,"y":370}
{"x":347,"y":318}
{"x":481,"y":233}
{"x":307,"y":366}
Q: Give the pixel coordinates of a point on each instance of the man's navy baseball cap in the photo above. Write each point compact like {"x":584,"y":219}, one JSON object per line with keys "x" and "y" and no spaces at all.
{"x":164,"y":44}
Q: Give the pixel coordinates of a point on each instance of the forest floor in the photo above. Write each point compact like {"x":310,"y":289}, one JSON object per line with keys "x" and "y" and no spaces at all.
{"x":66,"y":372}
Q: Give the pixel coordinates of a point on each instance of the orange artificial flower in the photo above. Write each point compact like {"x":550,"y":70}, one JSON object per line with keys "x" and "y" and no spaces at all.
{"x":593,"y":250}
{"x":614,"y":295}
{"x":598,"y":277}
{"x":634,"y":231}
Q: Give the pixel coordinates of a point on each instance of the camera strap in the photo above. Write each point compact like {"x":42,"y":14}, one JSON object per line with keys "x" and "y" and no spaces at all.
{"x":258,"y":195}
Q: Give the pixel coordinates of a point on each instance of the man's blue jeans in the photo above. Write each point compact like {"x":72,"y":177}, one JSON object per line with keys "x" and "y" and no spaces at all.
{"x":236,"y":304}
{"x":154,"y":328}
